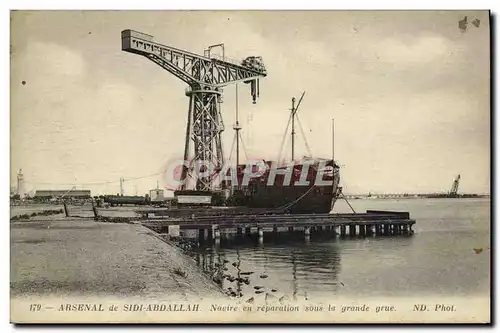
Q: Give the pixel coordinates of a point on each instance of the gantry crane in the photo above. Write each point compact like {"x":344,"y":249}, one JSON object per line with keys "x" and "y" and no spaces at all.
{"x":206,"y":76}
{"x":454,"y":186}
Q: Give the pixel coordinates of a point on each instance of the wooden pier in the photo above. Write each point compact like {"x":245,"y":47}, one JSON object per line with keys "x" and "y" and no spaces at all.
{"x":371,"y":223}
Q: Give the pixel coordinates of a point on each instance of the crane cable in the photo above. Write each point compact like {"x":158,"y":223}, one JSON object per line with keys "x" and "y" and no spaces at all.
{"x":290,"y":204}
{"x":304,"y":136}
{"x":285,"y":135}
{"x":243,"y":146}
{"x":232,"y":148}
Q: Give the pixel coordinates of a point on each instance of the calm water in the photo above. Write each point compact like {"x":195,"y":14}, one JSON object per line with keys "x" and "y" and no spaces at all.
{"x":437,"y":260}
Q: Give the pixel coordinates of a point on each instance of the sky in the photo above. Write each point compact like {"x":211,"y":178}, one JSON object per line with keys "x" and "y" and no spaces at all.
{"x":409,"y":91}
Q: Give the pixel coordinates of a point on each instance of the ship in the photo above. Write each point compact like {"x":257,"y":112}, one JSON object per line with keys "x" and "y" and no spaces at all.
{"x":310,"y":186}
{"x":304,"y":186}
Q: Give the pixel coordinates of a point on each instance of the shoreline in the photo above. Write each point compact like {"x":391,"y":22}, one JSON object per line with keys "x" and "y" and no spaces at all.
{"x":183,"y":252}
{"x":81,"y":257}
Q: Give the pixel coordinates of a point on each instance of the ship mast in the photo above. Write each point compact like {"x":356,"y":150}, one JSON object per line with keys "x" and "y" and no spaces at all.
{"x":293,"y":115}
{"x":293,"y":127}
{"x":333,"y":141}
{"x":237,"y":128}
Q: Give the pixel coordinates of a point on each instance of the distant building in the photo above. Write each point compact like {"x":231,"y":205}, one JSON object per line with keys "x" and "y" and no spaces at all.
{"x":53,"y":194}
{"x":157,"y":195}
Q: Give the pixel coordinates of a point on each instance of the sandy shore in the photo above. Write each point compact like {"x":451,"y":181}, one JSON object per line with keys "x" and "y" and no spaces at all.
{"x":86,"y":258}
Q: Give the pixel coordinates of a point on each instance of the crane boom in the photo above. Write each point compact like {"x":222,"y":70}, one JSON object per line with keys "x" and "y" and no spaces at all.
{"x":191,"y":68}
{"x":205,"y":76}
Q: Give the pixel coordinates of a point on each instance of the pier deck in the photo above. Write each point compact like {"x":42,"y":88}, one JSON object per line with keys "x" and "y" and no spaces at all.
{"x":379,"y":223}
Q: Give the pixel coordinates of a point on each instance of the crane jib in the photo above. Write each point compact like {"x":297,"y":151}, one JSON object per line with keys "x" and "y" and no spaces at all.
{"x":188,"y":66}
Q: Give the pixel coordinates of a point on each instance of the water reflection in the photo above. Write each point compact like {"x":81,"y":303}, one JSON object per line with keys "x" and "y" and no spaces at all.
{"x":291,"y":266}
{"x":438,"y":260}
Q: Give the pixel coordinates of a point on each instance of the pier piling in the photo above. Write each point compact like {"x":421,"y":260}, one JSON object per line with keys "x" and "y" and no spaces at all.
{"x":352,"y":230}
{"x":386,"y":229}
{"x":362,"y":230}
{"x":217,"y":238}
{"x":260,"y":232}
{"x":369,"y":230}
{"x":201,"y":235}
{"x":66,"y":212}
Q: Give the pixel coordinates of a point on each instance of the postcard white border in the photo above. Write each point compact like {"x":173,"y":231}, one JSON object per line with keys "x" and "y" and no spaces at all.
{"x":186,"y":4}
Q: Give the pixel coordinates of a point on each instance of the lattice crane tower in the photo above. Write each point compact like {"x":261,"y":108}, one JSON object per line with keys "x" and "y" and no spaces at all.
{"x":206,"y":76}
{"x":454,"y":186}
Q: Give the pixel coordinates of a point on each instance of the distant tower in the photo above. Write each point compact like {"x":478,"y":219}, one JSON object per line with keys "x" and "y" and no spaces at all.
{"x":454,"y":186}
{"x":20,"y":183}
{"x":121,"y":185}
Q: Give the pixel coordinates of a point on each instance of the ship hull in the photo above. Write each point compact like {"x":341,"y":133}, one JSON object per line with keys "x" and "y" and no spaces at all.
{"x":293,"y":199}
{"x":307,"y":188}
{"x":316,"y":197}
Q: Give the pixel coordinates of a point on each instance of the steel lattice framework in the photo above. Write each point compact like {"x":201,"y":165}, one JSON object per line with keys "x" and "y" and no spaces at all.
{"x":205,"y":76}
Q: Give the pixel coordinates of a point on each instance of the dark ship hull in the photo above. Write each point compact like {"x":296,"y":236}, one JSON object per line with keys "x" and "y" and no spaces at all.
{"x":292,"y":200}
{"x":312,"y":191}
{"x":311,"y":188}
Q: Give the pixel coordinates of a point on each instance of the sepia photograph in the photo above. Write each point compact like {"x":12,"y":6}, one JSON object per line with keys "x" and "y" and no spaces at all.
{"x":250,"y":166}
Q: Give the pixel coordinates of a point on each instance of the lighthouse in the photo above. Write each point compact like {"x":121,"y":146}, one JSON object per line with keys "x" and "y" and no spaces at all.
{"x":20,"y":183}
